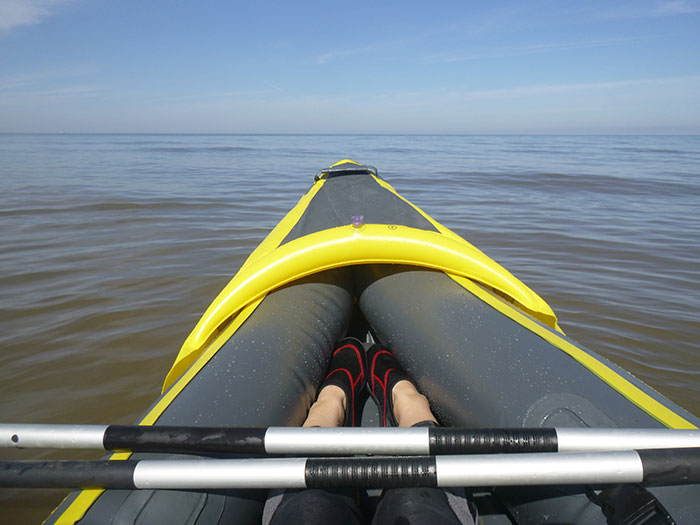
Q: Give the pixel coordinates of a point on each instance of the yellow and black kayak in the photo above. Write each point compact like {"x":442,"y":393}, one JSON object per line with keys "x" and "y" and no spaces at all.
{"x":354,"y":257}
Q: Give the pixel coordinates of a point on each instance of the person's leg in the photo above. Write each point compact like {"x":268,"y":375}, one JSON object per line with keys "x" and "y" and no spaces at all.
{"x":401,"y":404}
{"x":315,"y":506}
{"x":334,"y":407}
{"x":417,"y":506}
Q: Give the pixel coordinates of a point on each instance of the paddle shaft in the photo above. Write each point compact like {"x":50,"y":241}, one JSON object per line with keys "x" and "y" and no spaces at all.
{"x":339,"y":441}
{"x":652,"y":467}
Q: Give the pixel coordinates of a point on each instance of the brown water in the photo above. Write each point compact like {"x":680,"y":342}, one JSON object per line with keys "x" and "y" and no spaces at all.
{"x":113,"y":245}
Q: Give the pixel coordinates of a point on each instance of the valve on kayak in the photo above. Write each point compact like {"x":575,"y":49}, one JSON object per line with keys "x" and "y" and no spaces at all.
{"x":346,"y":167}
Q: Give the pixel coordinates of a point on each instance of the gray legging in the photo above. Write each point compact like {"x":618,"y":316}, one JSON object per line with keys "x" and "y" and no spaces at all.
{"x":409,"y":506}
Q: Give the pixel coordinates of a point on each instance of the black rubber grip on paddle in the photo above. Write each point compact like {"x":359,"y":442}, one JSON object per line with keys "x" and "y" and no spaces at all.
{"x":199,"y":440}
{"x":371,"y":472}
{"x":673,"y":466}
{"x":444,"y":440}
{"x":68,"y":474}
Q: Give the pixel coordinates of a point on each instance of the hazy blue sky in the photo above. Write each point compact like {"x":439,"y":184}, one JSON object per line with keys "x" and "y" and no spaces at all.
{"x":415,"y":67}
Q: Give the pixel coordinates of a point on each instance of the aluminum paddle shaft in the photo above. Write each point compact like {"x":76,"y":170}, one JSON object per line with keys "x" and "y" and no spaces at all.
{"x":340,"y":441}
{"x":653,"y":467}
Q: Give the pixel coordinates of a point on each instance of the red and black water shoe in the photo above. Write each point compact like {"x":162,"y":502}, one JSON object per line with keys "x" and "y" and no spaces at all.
{"x":347,"y":370}
{"x":384,"y":372}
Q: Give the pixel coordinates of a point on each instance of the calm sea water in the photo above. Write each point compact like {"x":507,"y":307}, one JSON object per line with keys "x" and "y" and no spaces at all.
{"x":111,"y":246}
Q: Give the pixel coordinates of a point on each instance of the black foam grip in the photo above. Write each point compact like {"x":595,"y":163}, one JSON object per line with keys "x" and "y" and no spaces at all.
{"x":487,"y":441}
{"x":677,"y":466}
{"x":371,"y":472}
{"x":201,"y":440}
{"x":68,"y":474}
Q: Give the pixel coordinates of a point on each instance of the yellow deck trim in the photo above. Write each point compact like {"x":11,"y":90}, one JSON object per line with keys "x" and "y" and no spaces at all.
{"x":80,"y":505}
{"x":348,"y":246}
{"x":634,"y":394}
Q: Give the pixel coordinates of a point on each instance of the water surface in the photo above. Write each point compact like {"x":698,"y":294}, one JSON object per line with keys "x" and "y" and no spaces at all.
{"x":113,"y":245}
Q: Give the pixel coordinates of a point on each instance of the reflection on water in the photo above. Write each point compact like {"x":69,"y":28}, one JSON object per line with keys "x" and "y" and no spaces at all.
{"x":113,"y":245}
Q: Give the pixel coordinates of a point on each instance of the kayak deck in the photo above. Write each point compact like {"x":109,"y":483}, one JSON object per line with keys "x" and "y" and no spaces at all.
{"x":482,"y":355}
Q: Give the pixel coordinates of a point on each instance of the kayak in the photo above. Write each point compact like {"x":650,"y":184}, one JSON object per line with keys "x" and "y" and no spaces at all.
{"x":355,"y":258}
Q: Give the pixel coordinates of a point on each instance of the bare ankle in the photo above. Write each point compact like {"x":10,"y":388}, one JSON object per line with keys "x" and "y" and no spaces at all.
{"x":329,"y":408}
{"x":410,"y":406}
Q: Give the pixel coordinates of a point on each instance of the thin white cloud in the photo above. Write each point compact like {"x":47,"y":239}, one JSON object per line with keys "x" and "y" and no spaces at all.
{"x":450,"y":96}
{"x":17,"y":13}
{"x":656,"y":9}
{"x":51,"y":95}
{"x":523,"y":50}
{"x":492,"y":22}
{"x":677,"y":7}
{"x":30,"y":80}
{"x":275,"y":87}
{"x":549,"y":89}
{"x":333,"y":55}
{"x":209,"y":98}
{"x":48,"y":86}
{"x":495,"y":22}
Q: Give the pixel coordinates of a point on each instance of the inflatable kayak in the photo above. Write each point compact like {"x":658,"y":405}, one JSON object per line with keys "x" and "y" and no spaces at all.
{"x":354,"y":257}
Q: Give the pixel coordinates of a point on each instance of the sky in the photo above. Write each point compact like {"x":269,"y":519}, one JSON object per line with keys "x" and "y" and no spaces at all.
{"x":203,"y":66}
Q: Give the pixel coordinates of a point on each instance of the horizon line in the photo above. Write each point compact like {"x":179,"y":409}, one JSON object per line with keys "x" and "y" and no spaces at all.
{"x":418,"y":134}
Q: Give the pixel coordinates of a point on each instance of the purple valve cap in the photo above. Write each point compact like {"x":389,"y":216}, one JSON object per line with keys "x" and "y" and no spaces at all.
{"x":357,"y":221}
